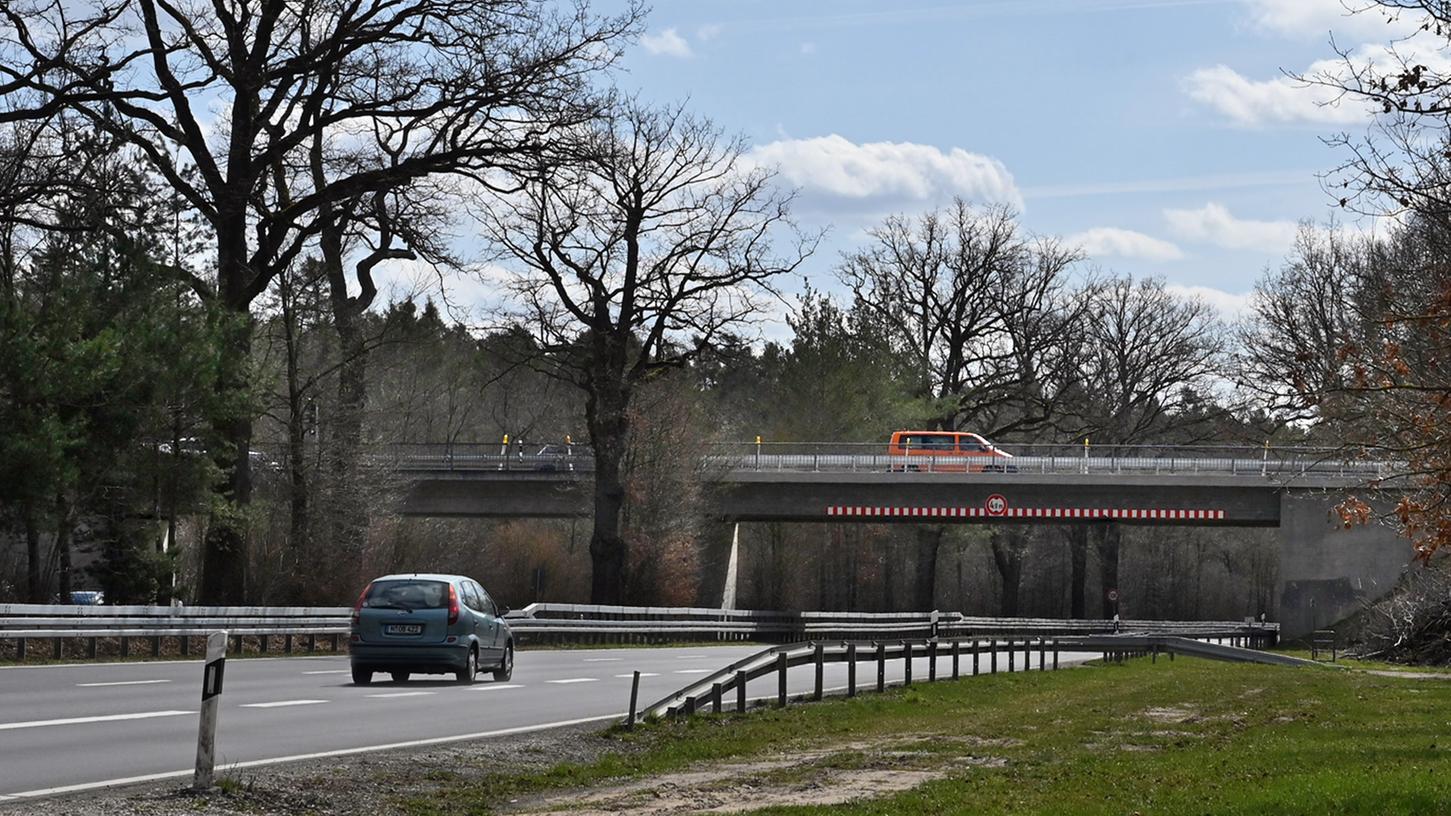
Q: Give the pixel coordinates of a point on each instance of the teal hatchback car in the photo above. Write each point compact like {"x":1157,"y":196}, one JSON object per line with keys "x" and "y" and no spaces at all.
{"x":429,"y":624}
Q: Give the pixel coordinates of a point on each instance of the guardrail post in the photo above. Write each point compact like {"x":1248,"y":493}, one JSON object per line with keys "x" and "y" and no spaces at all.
{"x":690,"y":706}
{"x":92,"y":647}
{"x":1154,"y":654}
{"x":976,"y":653}
{"x":820,"y":666}
{"x":206,"y":741}
{"x":740,"y":692}
{"x":1042,"y":654}
{"x":634,"y":700}
{"x":851,"y":669}
{"x":185,"y":646}
{"x":932,"y":661}
{"x":19,"y":649}
{"x":156,"y":645}
{"x":781,"y":666}
{"x":715,"y":692}
{"x":1012,"y":657}
{"x":311,"y":642}
{"x":907,"y":661}
{"x":287,"y":644}
{"x":1027,"y":654}
{"x":262,"y":642}
{"x":55,"y":648}
{"x":125,"y":646}
{"x":992,"y":646}
{"x":881,"y":666}
{"x":1055,"y":654}
{"x":956,"y":654}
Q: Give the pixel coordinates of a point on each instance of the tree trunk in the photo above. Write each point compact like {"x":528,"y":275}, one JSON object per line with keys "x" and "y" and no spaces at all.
{"x":349,"y":514}
{"x":34,"y":585}
{"x":1108,"y":537}
{"x":1008,"y":556}
{"x":1078,"y":565}
{"x":609,"y":427}
{"x":929,"y":544}
{"x":224,"y":548}
{"x":64,"y":524}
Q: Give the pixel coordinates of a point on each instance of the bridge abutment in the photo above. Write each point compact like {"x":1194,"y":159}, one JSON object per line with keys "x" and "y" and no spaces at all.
{"x":1328,"y":571}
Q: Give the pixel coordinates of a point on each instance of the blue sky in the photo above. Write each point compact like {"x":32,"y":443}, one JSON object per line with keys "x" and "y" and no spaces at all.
{"x":1160,"y":134}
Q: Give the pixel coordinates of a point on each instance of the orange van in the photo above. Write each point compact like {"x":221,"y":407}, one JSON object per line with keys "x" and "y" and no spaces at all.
{"x":947,"y":452}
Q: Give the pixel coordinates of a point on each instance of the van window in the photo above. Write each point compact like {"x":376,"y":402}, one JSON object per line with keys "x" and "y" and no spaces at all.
{"x":942,"y":442}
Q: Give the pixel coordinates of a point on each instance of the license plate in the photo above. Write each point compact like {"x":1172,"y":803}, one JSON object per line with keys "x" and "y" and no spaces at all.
{"x":403,"y":629}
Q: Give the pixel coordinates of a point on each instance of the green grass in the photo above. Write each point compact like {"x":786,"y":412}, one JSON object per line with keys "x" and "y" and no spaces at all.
{"x":1356,"y":663}
{"x":1261,"y":740}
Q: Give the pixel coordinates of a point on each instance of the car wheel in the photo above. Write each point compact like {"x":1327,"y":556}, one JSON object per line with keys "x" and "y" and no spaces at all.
{"x":506,"y":666}
{"x":361,"y":677}
{"x":471,"y":668}
{"x":400,"y":677}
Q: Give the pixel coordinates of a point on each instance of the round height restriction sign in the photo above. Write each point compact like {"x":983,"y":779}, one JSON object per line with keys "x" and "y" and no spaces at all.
{"x":996,"y":505}
{"x":1113,"y":595}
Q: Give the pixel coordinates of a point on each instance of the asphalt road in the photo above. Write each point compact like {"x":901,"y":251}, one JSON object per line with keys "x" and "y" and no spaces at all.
{"x":78,"y":727}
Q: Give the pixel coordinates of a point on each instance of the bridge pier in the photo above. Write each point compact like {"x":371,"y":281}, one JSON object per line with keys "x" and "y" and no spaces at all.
{"x":728,"y":595}
{"x":1328,"y":571}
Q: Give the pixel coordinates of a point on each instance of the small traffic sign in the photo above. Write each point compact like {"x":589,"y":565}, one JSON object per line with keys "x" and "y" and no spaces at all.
{"x":1113,"y":595}
{"x":996,"y":505}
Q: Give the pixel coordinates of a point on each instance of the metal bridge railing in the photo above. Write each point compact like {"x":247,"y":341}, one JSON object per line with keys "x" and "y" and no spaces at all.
{"x":1249,"y":461}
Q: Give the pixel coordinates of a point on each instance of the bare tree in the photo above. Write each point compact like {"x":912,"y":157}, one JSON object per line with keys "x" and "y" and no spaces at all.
{"x":633,"y":257}
{"x":1151,"y":358}
{"x":450,"y":86}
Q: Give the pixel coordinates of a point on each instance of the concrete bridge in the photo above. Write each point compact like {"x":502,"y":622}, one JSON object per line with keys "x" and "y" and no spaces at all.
{"x":1326,"y":571}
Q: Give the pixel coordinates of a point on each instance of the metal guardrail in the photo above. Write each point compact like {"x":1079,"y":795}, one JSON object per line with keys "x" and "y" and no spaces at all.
{"x":1264,"y":462}
{"x":714,"y":690}
{"x":545,"y":623}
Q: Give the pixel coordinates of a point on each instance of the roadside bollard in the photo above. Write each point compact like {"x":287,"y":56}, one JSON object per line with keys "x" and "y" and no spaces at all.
{"x":1012,"y":655}
{"x":907,"y":661}
{"x":820,"y":666}
{"x":206,"y":740}
{"x":781,"y":667}
{"x":881,"y":666}
{"x":634,"y":700}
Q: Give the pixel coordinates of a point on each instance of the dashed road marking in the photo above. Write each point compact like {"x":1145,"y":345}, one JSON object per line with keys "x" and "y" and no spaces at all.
{"x":693,"y":671}
{"x":603,"y":659}
{"x":144,"y":715}
{"x":283,"y":703}
{"x":496,"y":687}
{"x":328,"y":671}
{"x":122,"y":683}
{"x":573,"y":680}
{"x":404,"y":694}
{"x":642,"y":674}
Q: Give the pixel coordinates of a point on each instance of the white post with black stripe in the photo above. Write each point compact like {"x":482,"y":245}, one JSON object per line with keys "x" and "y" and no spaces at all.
{"x":211,"y":700}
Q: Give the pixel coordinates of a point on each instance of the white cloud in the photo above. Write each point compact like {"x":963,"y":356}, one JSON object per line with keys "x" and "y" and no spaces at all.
{"x":1112,"y":241}
{"x":667,"y":43}
{"x":1214,"y":224}
{"x":1317,"y":18}
{"x":1284,"y":99}
{"x":708,"y":32}
{"x":895,"y":171}
{"x":1229,"y":305}
{"x":1281,"y":100}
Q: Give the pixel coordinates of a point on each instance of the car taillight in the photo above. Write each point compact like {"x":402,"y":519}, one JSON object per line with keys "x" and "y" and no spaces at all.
{"x":452,"y":605}
{"x":358,"y":607}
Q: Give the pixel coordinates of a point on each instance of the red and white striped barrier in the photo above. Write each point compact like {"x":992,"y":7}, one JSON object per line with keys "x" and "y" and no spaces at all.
{"x":1083,"y":513}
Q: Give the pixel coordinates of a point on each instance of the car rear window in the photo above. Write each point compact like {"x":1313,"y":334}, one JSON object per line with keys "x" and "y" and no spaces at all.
{"x":407,"y":594}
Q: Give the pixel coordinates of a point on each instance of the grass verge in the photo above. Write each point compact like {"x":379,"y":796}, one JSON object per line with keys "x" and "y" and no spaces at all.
{"x":1186,"y":736}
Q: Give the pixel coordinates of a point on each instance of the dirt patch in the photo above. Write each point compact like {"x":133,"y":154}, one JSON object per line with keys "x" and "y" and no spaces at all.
{"x":836,"y":776}
{"x":1170,"y":714}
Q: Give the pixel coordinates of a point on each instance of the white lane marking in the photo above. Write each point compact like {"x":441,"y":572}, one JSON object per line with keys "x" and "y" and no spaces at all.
{"x":405,"y":694}
{"x":693,"y":671}
{"x":122,"y":683}
{"x":145,"y":715}
{"x":603,"y":659}
{"x":574,"y":680}
{"x":491,"y":687}
{"x":255,"y":763}
{"x":689,"y":657}
{"x":328,"y":671}
{"x":282,"y":704}
{"x":642,"y":674}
